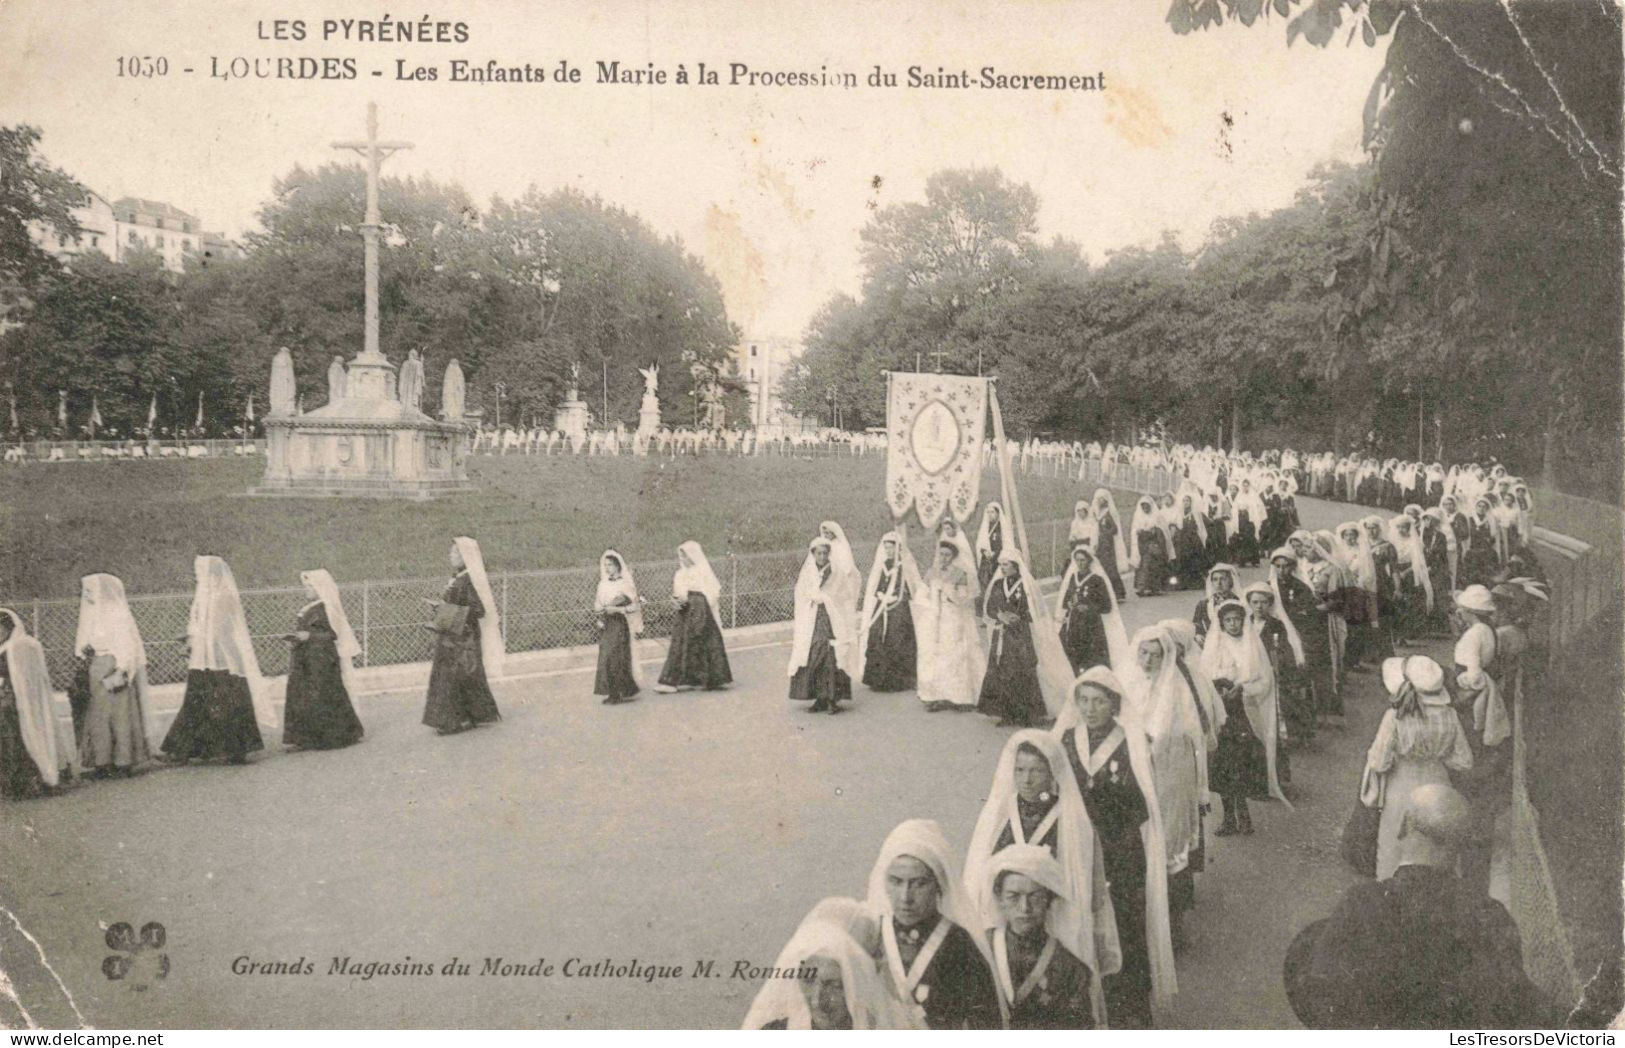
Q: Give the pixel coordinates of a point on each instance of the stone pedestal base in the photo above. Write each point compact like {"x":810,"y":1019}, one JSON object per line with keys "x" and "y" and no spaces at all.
{"x":571,"y":419}
{"x":364,"y":448}
{"x":649,"y":415}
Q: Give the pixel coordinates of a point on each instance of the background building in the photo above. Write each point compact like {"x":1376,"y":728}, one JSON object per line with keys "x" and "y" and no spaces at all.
{"x":98,"y":231}
{"x":763,"y":362}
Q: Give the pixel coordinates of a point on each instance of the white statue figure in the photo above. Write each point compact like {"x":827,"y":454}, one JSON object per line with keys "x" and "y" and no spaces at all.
{"x":284,"y":391}
{"x":575,"y":381}
{"x":336,"y":380}
{"x":651,"y":379}
{"x":451,"y":393}
{"x":411,"y":381}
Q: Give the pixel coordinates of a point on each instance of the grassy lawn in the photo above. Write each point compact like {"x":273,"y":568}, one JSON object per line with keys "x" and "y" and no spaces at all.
{"x":145,"y":521}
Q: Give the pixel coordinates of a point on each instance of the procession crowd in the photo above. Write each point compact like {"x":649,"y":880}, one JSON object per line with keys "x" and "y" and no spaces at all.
{"x":1084,"y":862}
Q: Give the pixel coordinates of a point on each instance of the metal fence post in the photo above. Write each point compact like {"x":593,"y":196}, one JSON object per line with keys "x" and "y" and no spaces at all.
{"x":507,"y":623}
{"x":35,"y":630}
{"x":733,"y":586}
{"x":366,"y":623}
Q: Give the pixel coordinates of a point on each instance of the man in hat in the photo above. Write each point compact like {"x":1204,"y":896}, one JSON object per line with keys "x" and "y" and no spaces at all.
{"x":1418,"y":950}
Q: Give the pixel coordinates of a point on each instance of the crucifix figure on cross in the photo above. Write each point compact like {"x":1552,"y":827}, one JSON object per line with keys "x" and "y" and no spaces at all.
{"x":375,"y":152}
{"x":938,"y":354}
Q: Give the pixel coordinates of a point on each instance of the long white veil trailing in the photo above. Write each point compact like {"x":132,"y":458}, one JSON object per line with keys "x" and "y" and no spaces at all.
{"x":493,"y":649}
{"x":327,"y":591}
{"x":48,"y":742}
{"x":698,"y":578}
{"x":907,"y":574}
{"x":218,"y":634}
{"x":1159,"y":938}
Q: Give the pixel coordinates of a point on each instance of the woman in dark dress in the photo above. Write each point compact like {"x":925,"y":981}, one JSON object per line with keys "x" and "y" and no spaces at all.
{"x":989,"y":547}
{"x":1297,"y":604}
{"x":468,"y":647}
{"x":822,"y":642}
{"x":697,"y":657}
{"x":319,"y":714}
{"x":1113,"y":771}
{"x":1439,"y":554}
{"x":1190,"y":544}
{"x":1216,"y":514}
{"x":889,"y":650}
{"x":1150,"y":551}
{"x":1010,"y":689}
{"x":35,"y":755}
{"x":620,"y":618}
{"x":1110,"y":544}
{"x":224,"y":690}
{"x":1482,"y":554}
{"x":1083,"y":604}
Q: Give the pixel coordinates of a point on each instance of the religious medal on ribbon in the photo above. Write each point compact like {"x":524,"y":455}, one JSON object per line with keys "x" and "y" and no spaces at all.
{"x":935,"y":426}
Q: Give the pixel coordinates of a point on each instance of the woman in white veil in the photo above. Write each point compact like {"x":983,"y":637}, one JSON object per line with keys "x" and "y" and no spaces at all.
{"x":225,"y":706}
{"x":620,"y":621}
{"x":697,"y":657}
{"x":111,"y":682}
{"x":35,"y":747}
{"x":887,"y":647}
{"x":824,"y":979}
{"x":468,"y":647}
{"x":318,"y":712}
{"x":951,"y":660}
{"x":1067,"y":599}
{"x":840,"y":557}
{"x":1104,"y":740}
{"x":1054,"y":817}
{"x":1235,"y":659}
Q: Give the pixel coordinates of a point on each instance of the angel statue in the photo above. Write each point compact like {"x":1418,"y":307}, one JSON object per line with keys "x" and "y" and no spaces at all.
{"x":651,"y":379}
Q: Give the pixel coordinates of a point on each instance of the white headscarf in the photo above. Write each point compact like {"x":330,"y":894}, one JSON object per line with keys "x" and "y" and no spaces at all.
{"x":905,"y":573}
{"x":344,"y":639}
{"x":43,"y":736}
{"x":984,"y":531}
{"x":105,"y":623}
{"x":1189,"y":653}
{"x":840,"y":556}
{"x":1118,"y":541}
{"x":1116,"y":636}
{"x":839,"y":602}
{"x":922,"y":839}
{"x":870,"y":1004}
{"x":1159,"y":940}
{"x":1039,"y":866}
{"x":1165,"y":708}
{"x":1242,"y":660}
{"x":1273,"y":588}
{"x":698,"y":577}
{"x":493,"y":650}
{"x":1087,"y":927}
{"x":217,"y":634}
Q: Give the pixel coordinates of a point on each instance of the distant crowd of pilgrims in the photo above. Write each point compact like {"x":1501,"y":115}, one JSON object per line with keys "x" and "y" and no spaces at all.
{"x":1085,"y":856}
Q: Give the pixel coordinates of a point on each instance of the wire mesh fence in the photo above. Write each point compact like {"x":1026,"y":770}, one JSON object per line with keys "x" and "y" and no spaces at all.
{"x":539,"y":610}
{"x":101,"y":450}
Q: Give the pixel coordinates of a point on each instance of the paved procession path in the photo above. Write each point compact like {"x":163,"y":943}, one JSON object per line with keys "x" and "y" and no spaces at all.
{"x":675,"y":829}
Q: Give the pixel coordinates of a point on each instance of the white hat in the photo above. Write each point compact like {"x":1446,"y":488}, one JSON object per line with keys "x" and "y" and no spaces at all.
{"x":1425,"y":674}
{"x":1476,"y":598}
{"x":1393,"y":674}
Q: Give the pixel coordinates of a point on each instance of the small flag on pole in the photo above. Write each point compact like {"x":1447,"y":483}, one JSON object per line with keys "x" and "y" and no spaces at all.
{"x":95,"y":415}
{"x":250,"y":411}
{"x":199,"y":423}
{"x":152,"y":413}
{"x":62,"y":408}
{"x":11,"y":396}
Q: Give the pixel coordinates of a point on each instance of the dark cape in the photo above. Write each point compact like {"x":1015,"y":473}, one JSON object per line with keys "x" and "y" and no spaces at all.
{"x":1010,"y":688}
{"x":1107,"y":554}
{"x":1083,"y":630}
{"x":890,"y":660}
{"x":1460,"y":952}
{"x":1190,"y":553}
{"x":318,"y":714}
{"x":459,"y":694}
{"x":697,"y":657}
{"x":956,"y":990}
{"x":1059,"y":999}
{"x":1239,"y":768}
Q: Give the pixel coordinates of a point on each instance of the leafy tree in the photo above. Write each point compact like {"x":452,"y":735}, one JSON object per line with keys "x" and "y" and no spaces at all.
{"x":32,"y":194}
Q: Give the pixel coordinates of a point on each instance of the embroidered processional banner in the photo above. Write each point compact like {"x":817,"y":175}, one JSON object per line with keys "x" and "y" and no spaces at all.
{"x":935,"y":426}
